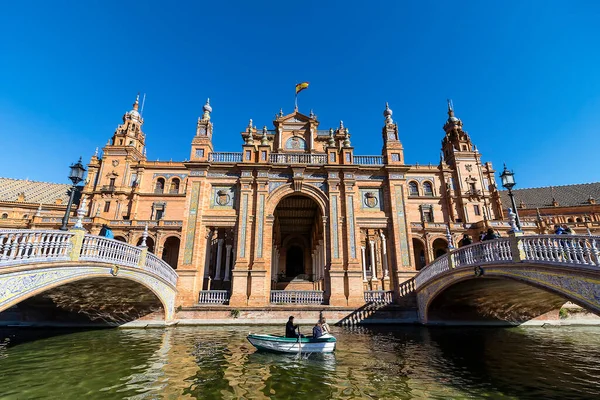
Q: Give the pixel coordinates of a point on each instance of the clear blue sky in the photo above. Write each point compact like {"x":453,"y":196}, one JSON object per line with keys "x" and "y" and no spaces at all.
{"x":524,"y":77}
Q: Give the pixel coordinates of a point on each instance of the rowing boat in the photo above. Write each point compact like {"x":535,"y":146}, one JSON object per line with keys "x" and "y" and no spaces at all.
{"x":281,"y":344}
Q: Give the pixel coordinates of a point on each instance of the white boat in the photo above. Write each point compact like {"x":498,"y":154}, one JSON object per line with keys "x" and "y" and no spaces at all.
{"x":281,"y":344}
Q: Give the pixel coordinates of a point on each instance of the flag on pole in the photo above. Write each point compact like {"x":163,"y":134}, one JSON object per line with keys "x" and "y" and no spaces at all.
{"x":301,"y":86}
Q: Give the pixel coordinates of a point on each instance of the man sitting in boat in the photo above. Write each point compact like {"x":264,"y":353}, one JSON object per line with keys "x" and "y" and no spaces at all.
{"x":290,"y":329}
{"x":317,"y":331}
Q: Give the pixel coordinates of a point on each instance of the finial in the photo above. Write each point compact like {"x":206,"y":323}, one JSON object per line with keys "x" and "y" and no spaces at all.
{"x":346,"y":138}
{"x":387,"y":113}
{"x":512,"y":220}
{"x":341,"y":124}
{"x":96,"y":152}
{"x":207,"y":110}
{"x":137,"y":102}
{"x":281,"y":112}
{"x":250,"y":125}
{"x":38,"y":213}
{"x":449,"y":238}
{"x":80,"y":214}
{"x":450,"y":108}
{"x":331,"y":141}
{"x":145,"y":236}
{"x":312,"y":114}
{"x":264,"y":141}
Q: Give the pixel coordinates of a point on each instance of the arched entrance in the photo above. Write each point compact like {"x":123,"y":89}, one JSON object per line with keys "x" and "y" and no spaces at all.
{"x":419,"y":249}
{"x":440,"y":247}
{"x":298,"y":244}
{"x":171,"y":251}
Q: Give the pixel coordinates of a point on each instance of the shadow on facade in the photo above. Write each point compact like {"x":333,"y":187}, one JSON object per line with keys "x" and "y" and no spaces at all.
{"x":92,"y":302}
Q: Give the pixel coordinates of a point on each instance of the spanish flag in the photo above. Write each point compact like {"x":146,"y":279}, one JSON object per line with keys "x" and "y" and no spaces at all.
{"x":301,"y":86}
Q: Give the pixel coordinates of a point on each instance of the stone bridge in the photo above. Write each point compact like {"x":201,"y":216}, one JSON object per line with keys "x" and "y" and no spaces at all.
{"x":104,"y":279}
{"x":511,"y":279}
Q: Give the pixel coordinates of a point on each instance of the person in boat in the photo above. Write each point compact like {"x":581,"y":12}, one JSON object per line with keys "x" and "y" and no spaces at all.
{"x":290,"y":329}
{"x":317,"y":330}
{"x":325,"y":326}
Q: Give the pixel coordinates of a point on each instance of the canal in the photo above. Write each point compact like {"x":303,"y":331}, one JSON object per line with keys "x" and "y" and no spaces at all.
{"x":369,"y":363}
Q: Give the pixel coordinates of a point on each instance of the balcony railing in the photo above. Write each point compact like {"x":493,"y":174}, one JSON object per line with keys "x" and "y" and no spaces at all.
{"x":283,"y":158}
{"x":379,"y":296}
{"x":213,"y":297}
{"x":368,"y":160}
{"x":296,"y":296}
{"x":225,"y":157}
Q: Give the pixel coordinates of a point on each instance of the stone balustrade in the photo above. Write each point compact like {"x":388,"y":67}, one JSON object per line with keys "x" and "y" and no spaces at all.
{"x":368,"y":160}
{"x":213,"y":297}
{"x":231,"y":157}
{"x":24,"y":246}
{"x":296,"y":296}
{"x":379,"y":296}
{"x":563,"y":250}
{"x":290,"y":158}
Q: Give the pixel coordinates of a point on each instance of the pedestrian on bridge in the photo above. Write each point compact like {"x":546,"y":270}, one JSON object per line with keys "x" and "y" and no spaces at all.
{"x":106,"y":232}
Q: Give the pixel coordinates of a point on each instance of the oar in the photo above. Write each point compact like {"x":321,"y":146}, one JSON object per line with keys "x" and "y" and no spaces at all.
{"x":299,"y":344}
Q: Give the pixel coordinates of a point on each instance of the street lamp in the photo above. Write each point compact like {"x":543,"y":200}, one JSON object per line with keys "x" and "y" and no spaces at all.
{"x":508,"y":182}
{"x":76,"y":176}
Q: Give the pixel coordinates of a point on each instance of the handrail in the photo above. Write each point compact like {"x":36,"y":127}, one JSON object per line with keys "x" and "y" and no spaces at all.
{"x":297,"y":296}
{"x":368,"y":160}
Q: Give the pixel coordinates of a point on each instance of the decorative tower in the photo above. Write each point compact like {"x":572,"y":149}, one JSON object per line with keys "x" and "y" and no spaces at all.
{"x":202,"y":143}
{"x":129,"y":134}
{"x":470,"y":185}
{"x":393,"y":152}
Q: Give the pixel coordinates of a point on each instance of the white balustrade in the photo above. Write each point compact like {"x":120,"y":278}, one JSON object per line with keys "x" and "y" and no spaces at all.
{"x":213,"y":297}
{"x":378,"y":296}
{"x":225,"y":157}
{"x":286,"y":158}
{"x":24,"y":246}
{"x":101,"y":249}
{"x":571,"y":249}
{"x":159,"y":267}
{"x":297,"y":296}
{"x":368,"y":160}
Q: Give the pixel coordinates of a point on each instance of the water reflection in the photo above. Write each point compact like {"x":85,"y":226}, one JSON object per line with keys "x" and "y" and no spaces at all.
{"x":390,"y":363}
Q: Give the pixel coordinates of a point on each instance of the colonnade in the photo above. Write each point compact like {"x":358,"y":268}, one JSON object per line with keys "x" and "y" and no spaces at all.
{"x":374,"y":257}
{"x":318,"y":264}
{"x":219,"y":256}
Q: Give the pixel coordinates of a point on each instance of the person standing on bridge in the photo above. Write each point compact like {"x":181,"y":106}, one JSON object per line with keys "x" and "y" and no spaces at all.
{"x":106,"y":232}
{"x":490,"y":235}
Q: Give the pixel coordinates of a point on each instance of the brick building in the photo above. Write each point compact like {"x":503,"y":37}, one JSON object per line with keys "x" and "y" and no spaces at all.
{"x":295,"y":211}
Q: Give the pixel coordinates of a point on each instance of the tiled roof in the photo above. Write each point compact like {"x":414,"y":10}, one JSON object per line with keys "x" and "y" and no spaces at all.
{"x":35,"y":192}
{"x":565,"y":196}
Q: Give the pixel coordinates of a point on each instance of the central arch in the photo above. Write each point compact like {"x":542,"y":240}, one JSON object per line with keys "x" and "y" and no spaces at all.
{"x":298,"y":243}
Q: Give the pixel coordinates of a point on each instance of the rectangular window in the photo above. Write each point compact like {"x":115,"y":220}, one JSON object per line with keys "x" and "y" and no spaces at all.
{"x":199,"y":153}
{"x":263,"y":156}
{"x":428,"y":216}
{"x":332,"y":157}
{"x":159,"y":214}
{"x":112,"y":182}
{"x":348,"y":158}
{"x":396,"y":157}
{"x":476,"y":209}
{"x":133,"y":180}
{"x":107,"y":206}
{"x":248,"y":155}
{"x":472,"y":186}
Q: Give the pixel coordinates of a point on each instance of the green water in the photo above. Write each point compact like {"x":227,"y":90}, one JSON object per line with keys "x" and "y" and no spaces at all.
{"x":369,"y":363}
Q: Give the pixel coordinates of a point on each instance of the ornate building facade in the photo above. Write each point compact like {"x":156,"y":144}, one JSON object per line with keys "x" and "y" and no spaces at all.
{"x":295,"y":211}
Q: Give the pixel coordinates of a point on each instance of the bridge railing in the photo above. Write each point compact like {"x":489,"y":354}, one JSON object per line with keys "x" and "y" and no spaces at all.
{"x":21,"y":246}
{"x":568,"y":250}
{"x":379,"y":296}
{"x":572,"y":249}
{"x":101,"y":249}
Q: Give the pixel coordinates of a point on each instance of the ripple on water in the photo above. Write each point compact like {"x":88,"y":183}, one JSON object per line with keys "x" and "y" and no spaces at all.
{"x":369,"y":363}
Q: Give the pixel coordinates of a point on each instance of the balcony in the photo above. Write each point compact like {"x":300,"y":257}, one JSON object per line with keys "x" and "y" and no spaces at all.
{"x":213,"y":297}
{"x":284,"y":158}
{"x":368,"y":160}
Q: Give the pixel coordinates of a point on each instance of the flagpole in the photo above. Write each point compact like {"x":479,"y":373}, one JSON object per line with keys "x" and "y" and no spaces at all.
{"x":296,"y":102}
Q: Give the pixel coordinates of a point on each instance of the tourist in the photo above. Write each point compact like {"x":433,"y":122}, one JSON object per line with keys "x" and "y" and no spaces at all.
{"x":106,"y":232}
{"x":559,"y":230}
{"x":567,"y":230}
{"x":490,"y":235}
{"x":317,"y":330}
{"x":465,"y":241}
{"x":290,"y":329}
{"x":325,"y":326}
{"x":481,"y":236}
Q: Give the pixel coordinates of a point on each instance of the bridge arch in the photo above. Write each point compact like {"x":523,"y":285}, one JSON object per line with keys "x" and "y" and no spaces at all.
{"x":22,"y":285}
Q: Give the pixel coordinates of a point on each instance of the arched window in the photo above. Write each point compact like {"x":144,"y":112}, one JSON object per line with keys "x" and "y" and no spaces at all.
{"x":4,"y":215}
{"x":25,"y":216}
{"x":174,"y":186}
{"x":570,"y":220}
{"x":578,"y":220}
{"x":427,"y":189}
{"x":160,"y":186}
{"x":413,"y":189}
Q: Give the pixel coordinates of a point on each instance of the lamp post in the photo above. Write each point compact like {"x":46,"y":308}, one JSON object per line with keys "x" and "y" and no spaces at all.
{"x":508,"y":182}
{"x":76,"y":176}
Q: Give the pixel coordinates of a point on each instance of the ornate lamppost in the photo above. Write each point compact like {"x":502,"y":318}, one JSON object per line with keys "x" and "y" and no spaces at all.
{"x":508,"y":182}
{"x":76,"y":176}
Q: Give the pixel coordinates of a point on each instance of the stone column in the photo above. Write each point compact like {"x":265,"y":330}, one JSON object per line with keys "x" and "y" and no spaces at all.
{"x":384,"y":256}
{"x":208,"y":252}
{"x":364,"y":263}
{"x":218,"y":262}
{"x":227,"y":261}
{"x":373,"y":265}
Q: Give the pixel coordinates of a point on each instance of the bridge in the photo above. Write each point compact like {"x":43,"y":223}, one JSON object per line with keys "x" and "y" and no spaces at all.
{"x":511,"y":279}
{"x":102,"y":279}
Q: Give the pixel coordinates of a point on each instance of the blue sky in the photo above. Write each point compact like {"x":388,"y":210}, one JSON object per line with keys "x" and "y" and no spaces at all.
{"x":524,"y":77}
